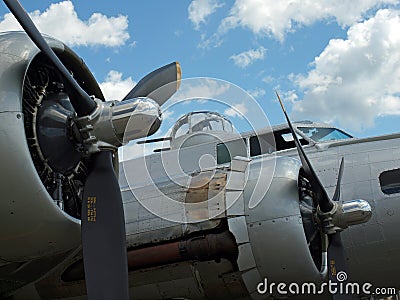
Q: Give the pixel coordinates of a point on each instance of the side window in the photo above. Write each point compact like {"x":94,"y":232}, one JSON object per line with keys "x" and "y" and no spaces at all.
{"x":284,"y":140}
{"x":222,"y":154}
{"x":262,"y":144}
{"x":255,"y":146}
{"x":390,"y":181}
{"x":226,"y":151}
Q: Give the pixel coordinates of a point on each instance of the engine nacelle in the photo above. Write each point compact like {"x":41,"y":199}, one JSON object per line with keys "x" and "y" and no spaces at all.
{"x":31,"y":223}
{"x":271,"y":237}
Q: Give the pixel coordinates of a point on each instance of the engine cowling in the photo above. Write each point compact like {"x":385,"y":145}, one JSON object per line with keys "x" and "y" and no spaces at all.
{"x":271,"y":236}
{"x":32,"y":223}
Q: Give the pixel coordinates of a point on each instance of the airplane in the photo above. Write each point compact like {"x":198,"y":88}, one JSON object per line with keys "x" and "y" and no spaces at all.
{"x":212,"y":215}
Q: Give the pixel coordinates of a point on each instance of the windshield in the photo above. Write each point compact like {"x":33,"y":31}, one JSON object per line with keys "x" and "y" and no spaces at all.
{"x":324,"y":134}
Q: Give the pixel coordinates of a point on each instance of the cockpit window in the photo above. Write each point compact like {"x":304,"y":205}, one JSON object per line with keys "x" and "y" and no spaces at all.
{"x":228,"y":127}
{"x":200,"y":122}
{"x":210,"y":124}
{"x":273,"y":141}
{"x":284,"y":140}
{"x":320,"y":134}
{"x":182,"y":127}
{"x":216,"y":124}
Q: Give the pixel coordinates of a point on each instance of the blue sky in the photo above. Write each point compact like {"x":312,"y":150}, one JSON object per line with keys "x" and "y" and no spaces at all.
{"x":335,"y":61}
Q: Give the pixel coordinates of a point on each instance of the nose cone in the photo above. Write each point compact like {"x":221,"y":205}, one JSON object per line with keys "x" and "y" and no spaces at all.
{"x":356,"y":212}
{"x":144,"y":120}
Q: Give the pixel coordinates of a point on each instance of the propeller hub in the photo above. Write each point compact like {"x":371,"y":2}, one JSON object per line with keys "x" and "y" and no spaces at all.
{"x":345,"y":214}
{"x":113,"y":123}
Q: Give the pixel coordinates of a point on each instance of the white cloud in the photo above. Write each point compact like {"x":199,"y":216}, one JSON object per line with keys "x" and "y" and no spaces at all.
{"x":246,"y":58}
{"x":210,"y":42}
{"x":199,"y":10}
{"x":60,"y":20}
{"x":357,"y":79}
{"x":168,"y":115}
{"x":178,"y":33}
{"x":257,"y":92}
{"x":277,"y":18}
{"x":290,"y":96}
{"x":114,"y":87}
{"x":201,"y":88}
{"x":268,"y":79}
{"x":237,"y":110}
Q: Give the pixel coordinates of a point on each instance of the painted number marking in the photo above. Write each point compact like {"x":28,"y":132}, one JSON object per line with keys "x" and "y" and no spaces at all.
{"x":91,"y":209}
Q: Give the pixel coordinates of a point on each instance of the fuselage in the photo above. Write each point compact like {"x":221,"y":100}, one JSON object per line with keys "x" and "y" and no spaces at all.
{"x":252,"y":200}
{"x":215,"y":209}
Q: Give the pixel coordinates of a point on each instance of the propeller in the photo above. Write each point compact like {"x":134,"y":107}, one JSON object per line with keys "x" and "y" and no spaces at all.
{"x":168,"y":77}
{"x":336,"y":253}
{"x":103,"y":232}
{"x":80,"y":100}
{"x":101,"y":126}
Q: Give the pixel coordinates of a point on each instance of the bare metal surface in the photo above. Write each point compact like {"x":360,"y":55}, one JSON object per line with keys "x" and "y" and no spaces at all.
{"x":201,"y":248}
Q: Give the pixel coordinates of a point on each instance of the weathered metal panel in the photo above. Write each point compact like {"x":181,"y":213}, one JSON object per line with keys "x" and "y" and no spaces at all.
{"x":238,"y":227}
{"x":170,"y":207}
{"x":251,"y":279}
{"x":246,"y":258}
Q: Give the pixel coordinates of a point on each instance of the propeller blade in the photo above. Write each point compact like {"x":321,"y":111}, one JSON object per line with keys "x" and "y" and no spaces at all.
{"x":324,"y":202}
{"x":168,"y":77}
{"x":337,"y":264}
{"x":336,"y":196}
{"x":80,"y":100}
{"x":336,"y":253}
{"x":103,"y":232}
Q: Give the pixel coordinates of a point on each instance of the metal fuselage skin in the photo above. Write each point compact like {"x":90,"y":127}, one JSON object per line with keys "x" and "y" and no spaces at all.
{"x":264,"y":218}
{"x":258,"y":204}
{"x":276,"y":240}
